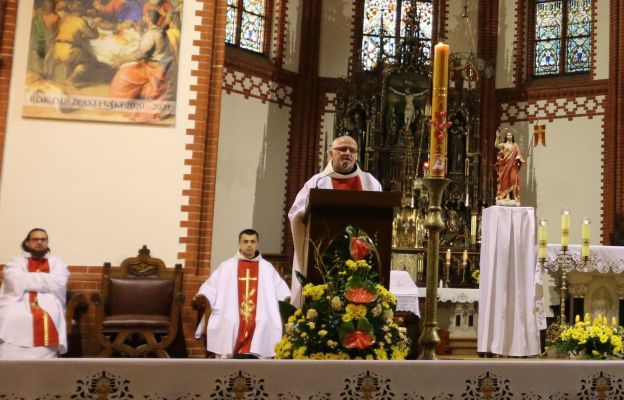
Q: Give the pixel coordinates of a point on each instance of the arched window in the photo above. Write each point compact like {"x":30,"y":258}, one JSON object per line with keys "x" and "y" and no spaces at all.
{"x":384,"y":25}
{"x":246,"y":25}
{"x":562,"y":42}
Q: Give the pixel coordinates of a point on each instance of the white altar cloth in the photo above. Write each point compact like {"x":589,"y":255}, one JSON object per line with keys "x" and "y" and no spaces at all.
{"x":454,"y":295}
{"x":508,"y":323}
{"x":405,"y":290}
{"x":602,"y":259}
{"x":203,"y":379}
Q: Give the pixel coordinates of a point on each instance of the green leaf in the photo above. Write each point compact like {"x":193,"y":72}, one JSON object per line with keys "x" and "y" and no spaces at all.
{"x":345,"y":328}
{"x":286,"y":310}
{"x":364,"y":325}
{"x":302,"y":278}
{"x":352,"y":230}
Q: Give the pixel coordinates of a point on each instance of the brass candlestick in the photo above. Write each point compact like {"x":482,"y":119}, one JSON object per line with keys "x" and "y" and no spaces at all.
{"x":429,"y":338}
{"x":566,"y":263}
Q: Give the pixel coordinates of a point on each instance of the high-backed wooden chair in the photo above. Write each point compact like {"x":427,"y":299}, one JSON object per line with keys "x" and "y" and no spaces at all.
{"x":201,"y":304}
{"x":138,"y":310}
{"x":76,"y":306}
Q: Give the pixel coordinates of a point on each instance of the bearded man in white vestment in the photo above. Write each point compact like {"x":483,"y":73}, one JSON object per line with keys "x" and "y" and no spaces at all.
{"x":32,"y":302}
{"x":341,"y":173}
{"x":244,"y":293}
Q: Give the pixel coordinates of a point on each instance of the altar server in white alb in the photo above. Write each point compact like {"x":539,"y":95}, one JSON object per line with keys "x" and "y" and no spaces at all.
{"x":32,"y":302}
{"x":244,"y":292}
{"x":341,"y":173}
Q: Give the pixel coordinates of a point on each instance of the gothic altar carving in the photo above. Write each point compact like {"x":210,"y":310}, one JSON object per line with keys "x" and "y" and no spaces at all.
{"x":387,"y":111}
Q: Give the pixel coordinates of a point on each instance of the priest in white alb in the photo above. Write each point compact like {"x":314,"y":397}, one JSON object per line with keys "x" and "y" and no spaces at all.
{"x":32,"y":302}
{"x":244,"y":293}
{"x":341,"y":173}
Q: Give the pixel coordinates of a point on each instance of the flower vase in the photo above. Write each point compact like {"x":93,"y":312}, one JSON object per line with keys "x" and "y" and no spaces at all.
{"x":573,"y":355}
{"x":552,"y":352}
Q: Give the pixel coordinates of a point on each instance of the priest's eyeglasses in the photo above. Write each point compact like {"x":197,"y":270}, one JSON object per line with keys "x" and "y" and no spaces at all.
{"x":38,"y":239}
{"x":346,"y":149}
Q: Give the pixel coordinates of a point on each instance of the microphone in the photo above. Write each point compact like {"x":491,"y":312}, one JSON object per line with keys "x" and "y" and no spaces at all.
{"x":331,"y":171}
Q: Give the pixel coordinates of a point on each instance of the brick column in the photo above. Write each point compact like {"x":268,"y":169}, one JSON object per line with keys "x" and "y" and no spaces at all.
{"x":613,"y":175}
{"x":307,"y":108}
{"x":487,"y":38}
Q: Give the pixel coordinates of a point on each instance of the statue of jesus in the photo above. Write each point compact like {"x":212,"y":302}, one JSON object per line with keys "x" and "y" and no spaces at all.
{"x":508,"y":163}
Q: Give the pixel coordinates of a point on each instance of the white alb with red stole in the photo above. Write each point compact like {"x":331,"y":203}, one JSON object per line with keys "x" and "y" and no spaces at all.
{"x":221,"y":290}
{"x":16,"y":322}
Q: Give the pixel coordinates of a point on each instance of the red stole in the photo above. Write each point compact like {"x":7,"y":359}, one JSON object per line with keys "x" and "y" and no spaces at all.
{"x":44,"y":331}
{"x":247,"y":300}
{"x":352,"y":183}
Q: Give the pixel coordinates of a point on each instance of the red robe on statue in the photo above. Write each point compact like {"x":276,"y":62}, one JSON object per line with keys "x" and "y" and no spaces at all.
{"x":508,"y":169}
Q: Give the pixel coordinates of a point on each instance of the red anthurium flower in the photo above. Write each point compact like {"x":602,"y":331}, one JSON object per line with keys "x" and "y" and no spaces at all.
{"x":359,"y":248}
{"x":360,"y":295}
{"x":358,"y":335}
{"x":358,"y":340}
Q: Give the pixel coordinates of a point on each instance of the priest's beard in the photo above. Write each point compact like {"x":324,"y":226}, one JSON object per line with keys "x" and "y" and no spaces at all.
{"x":38,"y":253}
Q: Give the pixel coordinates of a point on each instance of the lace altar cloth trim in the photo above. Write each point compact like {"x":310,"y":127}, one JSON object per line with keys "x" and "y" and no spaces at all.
{"x":602,"y":259}
{"x":454,"y":295}
{"x":153,"y":379}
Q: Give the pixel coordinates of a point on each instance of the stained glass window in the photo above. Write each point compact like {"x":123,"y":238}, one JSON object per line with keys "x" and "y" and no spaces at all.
{"x":246,"y":24}
{"x":384,"y":26}
{"x":562,"y":36}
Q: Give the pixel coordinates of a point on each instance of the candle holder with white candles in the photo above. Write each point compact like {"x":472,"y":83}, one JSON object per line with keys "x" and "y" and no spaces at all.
{"x":564,"y":260}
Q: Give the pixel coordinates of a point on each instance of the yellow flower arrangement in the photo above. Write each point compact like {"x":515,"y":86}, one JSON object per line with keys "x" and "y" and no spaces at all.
{"x":595,"y":339}
{"x":349,"y":316}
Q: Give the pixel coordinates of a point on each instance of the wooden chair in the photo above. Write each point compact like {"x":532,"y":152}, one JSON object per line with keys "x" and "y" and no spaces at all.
{"x":201,"y":304}
{"x":76,"y":306}
{"x":137,"y":312}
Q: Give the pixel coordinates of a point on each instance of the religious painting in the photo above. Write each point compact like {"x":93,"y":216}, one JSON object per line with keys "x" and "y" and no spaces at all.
{"x":406,"y":98}
{"x":103,"y":60}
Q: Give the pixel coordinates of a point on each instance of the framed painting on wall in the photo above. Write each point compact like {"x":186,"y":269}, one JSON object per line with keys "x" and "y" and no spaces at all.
{"x":106,"y":60}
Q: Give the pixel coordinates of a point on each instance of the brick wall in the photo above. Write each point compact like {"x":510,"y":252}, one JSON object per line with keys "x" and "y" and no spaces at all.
{"x":206,"y":103}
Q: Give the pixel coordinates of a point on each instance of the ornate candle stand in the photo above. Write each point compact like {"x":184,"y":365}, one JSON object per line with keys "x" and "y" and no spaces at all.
{"x":566,"y":263}
{"x":429,"y":338}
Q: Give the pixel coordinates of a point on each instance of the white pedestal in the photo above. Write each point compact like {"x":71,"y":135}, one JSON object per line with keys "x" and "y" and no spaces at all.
{"x":507,"y":318}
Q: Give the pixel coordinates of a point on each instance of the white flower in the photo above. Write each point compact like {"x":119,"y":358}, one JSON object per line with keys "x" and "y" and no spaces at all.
{"x":311,"y":314}
{"x":375,"y":311}
{"x":336,"y":304}
{"x":388,"y":315}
